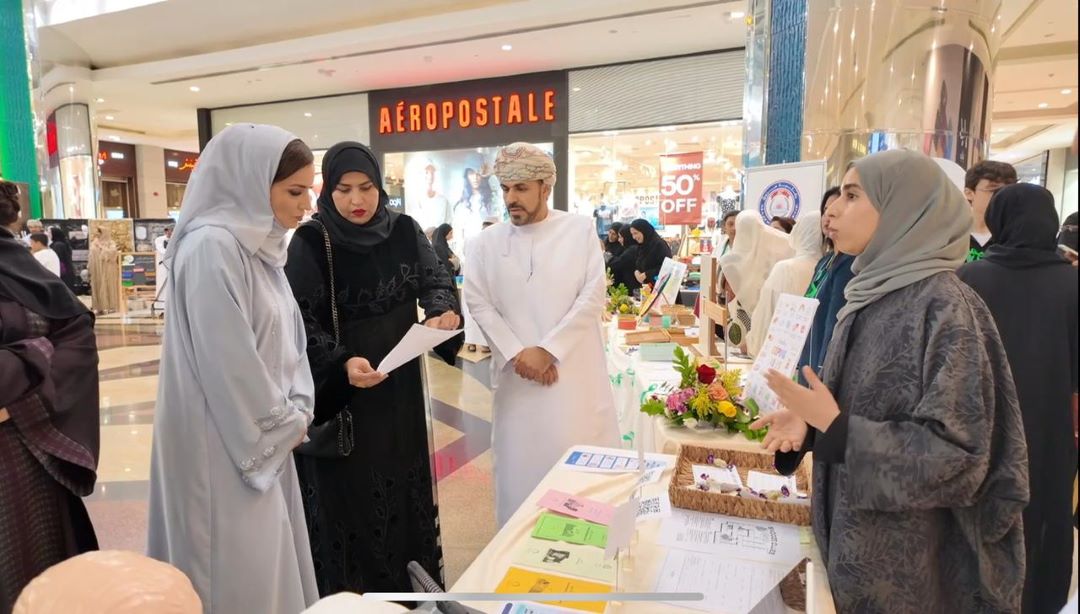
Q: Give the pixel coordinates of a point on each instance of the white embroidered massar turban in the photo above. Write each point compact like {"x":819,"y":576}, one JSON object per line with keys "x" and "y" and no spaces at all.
{"x":524,"y":162}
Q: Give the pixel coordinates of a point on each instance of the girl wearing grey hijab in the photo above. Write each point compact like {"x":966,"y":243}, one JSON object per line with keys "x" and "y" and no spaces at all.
{"x":920,"y":464}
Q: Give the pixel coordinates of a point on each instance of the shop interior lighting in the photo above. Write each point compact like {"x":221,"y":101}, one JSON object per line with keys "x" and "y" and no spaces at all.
{"x":100,"y":100}
{"x":1066,"y":92}
{"x":307,"y":114}
{"x":1043,"y":105}
{"x":109,"y":118}
{"x":194,"y":88}
{"x":507,"y":47}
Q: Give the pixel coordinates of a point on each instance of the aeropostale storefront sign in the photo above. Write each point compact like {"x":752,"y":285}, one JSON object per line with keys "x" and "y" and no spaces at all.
{"x":497,"y":109}
{"x":486,"y":112}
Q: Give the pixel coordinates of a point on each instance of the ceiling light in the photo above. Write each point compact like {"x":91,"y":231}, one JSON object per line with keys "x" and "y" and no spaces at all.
{"x":1043,"y":105}
{"x":100,"y":100}
{"x":577,"y":89}
{"x":109,"y":118}
{"x":507,"y":47}
{"x":194,"y":88}
{"x":737,"y":14}
{"x":114,"y":138}
{"x":308,"y":114}
{"x":1066,"y":92}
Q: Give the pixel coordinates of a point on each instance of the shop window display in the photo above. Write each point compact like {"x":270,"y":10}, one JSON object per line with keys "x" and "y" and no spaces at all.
{"x":615,"y":175}
{"x":453,"y":187}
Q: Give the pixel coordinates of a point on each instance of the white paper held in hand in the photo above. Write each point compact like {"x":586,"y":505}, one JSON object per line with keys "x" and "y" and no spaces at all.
{"x":791,"y":323}
{"x":419,"y":340}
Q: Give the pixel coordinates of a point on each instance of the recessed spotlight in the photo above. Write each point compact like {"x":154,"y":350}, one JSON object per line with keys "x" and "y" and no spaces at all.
{"x":737,"y":14}
{"x":1043,"y":105}
{"x":507,"y":47}
{"x":1066,"y":92}
{"x":114,"y":138}
{"x":71,"y":88}
{"x":109,"y":118}
{"x":194,"y":88}
{"x":100,"y":100}
{"x":577,"y":89}
{"x":307,"y":114}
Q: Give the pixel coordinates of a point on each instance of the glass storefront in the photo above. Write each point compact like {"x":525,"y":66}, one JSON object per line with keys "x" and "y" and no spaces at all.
{"x":615,"y":175}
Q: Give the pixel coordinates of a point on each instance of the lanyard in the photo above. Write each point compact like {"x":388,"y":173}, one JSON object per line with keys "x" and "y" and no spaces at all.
{"x":819,"y":278}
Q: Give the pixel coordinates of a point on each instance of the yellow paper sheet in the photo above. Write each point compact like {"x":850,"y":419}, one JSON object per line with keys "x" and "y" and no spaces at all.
{"x":518,"y":580}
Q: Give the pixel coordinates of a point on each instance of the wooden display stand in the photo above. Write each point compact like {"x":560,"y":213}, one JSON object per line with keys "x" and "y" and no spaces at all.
{"x":712,"y":313}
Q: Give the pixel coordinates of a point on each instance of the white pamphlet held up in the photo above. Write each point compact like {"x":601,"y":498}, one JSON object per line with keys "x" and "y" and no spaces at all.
{"x":419,"y":340}
{"x":783,"y":346}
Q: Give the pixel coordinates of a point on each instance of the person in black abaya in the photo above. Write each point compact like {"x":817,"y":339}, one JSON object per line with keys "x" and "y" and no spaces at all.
{"x":440,"y":240}
{"x":612,"y":245}
{"x":60,"y":245}
{"x":358,"y":271}
{"x":49,"y":428}
{"x":651,"y":251}
{"x":622,"y":266}
{"x":1032,"y":294}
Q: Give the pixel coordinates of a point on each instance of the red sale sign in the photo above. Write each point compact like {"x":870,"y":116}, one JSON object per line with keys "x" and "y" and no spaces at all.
{"x":680,"y":188}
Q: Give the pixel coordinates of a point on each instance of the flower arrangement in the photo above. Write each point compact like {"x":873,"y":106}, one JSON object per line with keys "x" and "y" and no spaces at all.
{"x":620,"y":302}
{"x":706,"y":395}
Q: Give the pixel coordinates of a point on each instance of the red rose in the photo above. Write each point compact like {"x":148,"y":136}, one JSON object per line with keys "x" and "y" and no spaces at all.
{"x":706,"y":374}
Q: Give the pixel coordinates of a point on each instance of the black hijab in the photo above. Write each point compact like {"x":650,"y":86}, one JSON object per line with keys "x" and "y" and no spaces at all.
{"x":614,"y":247}
{"x":1024,"y":224}
{"x":349,"y":157}
{"x":653,"y":249}
{"x":1068,"y":236}
{"x":441,"y":245}
{"x":24,"y":281}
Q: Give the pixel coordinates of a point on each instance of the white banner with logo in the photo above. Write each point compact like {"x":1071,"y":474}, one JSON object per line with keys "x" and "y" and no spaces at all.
{"x":784,"y":190}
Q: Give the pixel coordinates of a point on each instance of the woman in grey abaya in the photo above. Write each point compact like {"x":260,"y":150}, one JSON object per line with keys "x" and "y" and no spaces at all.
{"x":235,"y":394}
{"x":920,"y":464}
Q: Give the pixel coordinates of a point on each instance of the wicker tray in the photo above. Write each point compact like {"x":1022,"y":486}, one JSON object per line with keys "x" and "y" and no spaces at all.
{"x":685,"y":495}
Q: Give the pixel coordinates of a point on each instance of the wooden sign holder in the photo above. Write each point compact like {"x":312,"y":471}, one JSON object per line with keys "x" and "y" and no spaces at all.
{"x":712,"y":312}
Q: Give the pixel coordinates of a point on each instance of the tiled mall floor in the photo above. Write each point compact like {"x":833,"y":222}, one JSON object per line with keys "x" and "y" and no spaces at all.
{"x":461,"y":419}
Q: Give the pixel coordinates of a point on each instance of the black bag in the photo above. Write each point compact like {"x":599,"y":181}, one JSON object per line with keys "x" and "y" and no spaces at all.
{"x":333,"y":438}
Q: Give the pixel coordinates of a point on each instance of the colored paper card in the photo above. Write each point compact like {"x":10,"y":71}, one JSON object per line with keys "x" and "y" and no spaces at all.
{"x":578,"y":507}
{"x":569,"y":559}
{"x":571,"y":530}
{"x":520,"y":581}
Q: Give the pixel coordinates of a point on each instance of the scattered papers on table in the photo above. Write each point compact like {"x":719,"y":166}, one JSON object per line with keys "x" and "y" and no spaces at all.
{"x":419,"y":340}
{"x":583,"y":561}
{"x":730,"y":586}
{"x":727,"y":477}
{"x":571,"y":530}
{"x":752,"y":540}
{"x":578,"y":507}
{"x":783,"y":346}
{"x":655,"y":507}
{"x":612,"y":463}
{"x":520,"y":581}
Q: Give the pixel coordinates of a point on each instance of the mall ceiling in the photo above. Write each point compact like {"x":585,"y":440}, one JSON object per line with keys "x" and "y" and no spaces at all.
{"x":144,"y":63}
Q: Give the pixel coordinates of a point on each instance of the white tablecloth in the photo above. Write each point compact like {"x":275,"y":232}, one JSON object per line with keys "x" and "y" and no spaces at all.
{"x":633,"y":379}
{"x":648,"y":556}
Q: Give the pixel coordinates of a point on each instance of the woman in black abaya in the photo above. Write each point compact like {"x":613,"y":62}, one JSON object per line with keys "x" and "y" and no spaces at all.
{"x":652,"y":250}
{"x":1032,"y":293}
{"x":358,"y":271}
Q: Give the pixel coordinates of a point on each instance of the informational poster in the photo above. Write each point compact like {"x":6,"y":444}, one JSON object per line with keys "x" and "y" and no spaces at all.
{"x":680,"y":189}
{"x":138,"y":269}
{"x":783,"y":346}
{"x":147,"y":230}
{"x":784,"y":190}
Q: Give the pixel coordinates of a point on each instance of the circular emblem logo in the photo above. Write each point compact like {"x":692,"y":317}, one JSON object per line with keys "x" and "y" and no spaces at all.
{"x":780,"y":199}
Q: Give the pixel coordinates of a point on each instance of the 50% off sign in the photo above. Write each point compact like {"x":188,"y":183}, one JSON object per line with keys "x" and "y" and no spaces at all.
{"x":680,"y":189}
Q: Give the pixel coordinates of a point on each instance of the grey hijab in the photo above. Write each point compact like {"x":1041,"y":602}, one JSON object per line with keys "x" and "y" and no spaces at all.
{"x":923,"y":230}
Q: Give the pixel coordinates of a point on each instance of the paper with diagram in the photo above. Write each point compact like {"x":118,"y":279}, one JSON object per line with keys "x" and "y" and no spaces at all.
{"x":752,"y":540}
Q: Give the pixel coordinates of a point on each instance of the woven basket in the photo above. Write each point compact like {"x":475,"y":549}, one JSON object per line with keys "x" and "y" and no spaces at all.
{"x":686,"y":495}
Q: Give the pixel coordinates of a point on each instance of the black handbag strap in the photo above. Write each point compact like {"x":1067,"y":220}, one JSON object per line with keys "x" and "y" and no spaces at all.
{"x":333,"y":289}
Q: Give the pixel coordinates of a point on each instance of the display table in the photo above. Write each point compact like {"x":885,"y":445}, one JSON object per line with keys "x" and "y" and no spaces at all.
{"x":647,"y":556}
{"x":633,"y":380}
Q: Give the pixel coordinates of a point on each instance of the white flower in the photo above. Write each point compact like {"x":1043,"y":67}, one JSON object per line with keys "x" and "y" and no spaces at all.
{"x":690,"y":422}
